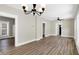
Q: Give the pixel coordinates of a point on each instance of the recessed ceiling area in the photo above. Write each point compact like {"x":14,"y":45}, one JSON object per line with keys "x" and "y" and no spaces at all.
{"x":54,"y":10}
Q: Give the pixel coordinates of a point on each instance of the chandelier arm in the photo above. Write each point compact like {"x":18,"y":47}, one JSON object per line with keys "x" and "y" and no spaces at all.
{"x":38,"y":13}
{"x":28,"y":12}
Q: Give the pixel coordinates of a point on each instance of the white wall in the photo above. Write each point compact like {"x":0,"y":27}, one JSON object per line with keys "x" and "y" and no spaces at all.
{"x":76,"y":34}
{"x":53,"y":26}
{"x":67,"y":27}
{"x":25,"y":24}
{"x":40,"y":28}
{"x":28,"y":27}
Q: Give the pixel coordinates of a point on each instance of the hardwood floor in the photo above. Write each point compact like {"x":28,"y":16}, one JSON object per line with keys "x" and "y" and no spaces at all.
{"x":48,"y":46}
{"x":6,"y":44}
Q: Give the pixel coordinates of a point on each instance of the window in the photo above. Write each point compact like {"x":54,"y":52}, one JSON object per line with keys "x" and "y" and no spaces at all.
{"x":4,"y":28}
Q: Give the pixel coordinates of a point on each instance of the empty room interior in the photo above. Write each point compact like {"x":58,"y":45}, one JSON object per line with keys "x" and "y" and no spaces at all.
{"x":39,"y":29}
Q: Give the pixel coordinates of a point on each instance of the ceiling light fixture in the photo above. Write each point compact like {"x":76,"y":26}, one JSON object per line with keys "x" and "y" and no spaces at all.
{"x":59,"y":19}
{"x":34,"y":10}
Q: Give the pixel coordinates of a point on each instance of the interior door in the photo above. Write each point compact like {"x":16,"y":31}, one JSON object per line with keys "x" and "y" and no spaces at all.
{"x":59,"y":27}
{"x":43,"y":30}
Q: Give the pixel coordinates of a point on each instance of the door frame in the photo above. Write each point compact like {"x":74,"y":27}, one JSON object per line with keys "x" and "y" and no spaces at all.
{"x":42,"y":29}
{"x":16,"y":29}
{"x":57,"y":28}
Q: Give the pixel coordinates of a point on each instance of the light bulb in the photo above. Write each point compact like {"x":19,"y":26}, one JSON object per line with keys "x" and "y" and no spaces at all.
{"x":26,"y":7}
{"x":40,"y":10}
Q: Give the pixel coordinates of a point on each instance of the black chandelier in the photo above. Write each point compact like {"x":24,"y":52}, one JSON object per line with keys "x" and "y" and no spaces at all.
{"x":33,"y":10}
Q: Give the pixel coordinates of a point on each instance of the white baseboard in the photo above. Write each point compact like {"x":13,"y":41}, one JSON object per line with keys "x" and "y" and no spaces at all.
{"x":51,"y":35}
{"x":61,"y":35}
{"x":24,"y":43}
{"x":19,"y":44}
{"x":39,"y":38}
{"x":27,"y":42}
{"x":67,"y":36}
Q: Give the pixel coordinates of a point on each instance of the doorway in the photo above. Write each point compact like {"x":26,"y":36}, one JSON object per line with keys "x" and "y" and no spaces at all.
{"x":60,"y":31}
{"x":43,"y":25}
{"x":7,"y":33}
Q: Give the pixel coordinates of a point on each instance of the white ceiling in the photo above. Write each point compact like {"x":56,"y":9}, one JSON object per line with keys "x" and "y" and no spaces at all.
{"x":55,"y":10}
{"x":60,"y":10}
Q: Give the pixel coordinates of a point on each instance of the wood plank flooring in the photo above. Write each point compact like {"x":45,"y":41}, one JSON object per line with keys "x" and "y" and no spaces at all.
{"x":51,"y":45}
{"x":6,"y":44}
